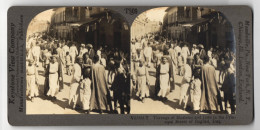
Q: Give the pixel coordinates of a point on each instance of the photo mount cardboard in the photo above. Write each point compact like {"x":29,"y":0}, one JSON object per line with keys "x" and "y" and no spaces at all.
{"x":19,"y":17}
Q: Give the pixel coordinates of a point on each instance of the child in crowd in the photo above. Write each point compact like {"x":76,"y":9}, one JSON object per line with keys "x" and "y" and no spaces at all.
{"x":86,"y":86}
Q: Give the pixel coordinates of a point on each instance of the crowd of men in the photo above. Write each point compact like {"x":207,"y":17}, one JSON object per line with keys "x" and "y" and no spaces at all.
{"x":99,"y":77}
{"x":200,"y":87}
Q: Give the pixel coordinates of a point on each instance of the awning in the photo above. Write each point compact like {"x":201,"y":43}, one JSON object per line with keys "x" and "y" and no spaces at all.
{"x":194,"y":22}
{"x":78,"y":24}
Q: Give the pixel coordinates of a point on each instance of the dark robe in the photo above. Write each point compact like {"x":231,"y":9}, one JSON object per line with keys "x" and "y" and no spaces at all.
{"x":121,"y":89}
{"x":60,"y":74}
{"x":46,"y":82}
{"x":210,"y":95}
{"x":126,"y":95}
{"x":157,"y":80}
{"x":228,"y":88}
{"x":100,"y":96}
{"x":202,"y":53}
{"x":171,"y":73}
{"x":61,"y":62}
{"x":91,"y":53}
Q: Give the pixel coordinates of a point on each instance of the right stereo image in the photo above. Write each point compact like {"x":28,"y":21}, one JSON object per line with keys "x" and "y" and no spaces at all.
{"x":183,"y":61}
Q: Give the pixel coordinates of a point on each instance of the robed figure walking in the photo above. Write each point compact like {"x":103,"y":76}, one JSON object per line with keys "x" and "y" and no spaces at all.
{"x":100,"y":97}
{"x":210,"y":96}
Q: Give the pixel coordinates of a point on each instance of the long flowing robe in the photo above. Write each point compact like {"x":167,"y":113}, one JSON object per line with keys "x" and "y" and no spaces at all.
{"x":46,"y":82}
{"x":210,"y":92}
{"x":121,"y":89}
{"x":185,"y":84}
{"x":202,"y":53}
{"x":74,"y":87}
{"x":100,"y":96}
{"x":148,"y":54}
{"x":31,"y":76}
{"x":36,"y":51}
{"x":86,"y":85}
{"x":196,"y":88}
{"x":173,"y":56}
{"x":53,"y":79}
{"x":177,"y":50}
{"x":185,"y":52}
{"x":73,"y":53}
{"x":142,"y":80}
{"x":46,"y":59}
{"x":171,"y":72}
{"x":62,"y":63}
{"x":136,"y":60}
{"x":228,"y":88}
{"x":65,"y":49}
{"x":164,"y":79}
{"x":91,"y":53}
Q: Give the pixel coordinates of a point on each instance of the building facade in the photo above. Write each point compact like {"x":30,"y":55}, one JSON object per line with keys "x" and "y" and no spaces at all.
{"x":91,"y":25}
{"x":198,"y":25}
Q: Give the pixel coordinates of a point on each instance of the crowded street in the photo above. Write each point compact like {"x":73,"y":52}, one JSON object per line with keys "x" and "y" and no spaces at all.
{"x":177,"y":67}
{"x":43,"y":106}
{"x":152,"y":106}
{"x":77,"y":68}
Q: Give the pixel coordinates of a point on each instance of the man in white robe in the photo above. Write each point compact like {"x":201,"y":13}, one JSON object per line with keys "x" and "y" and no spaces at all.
{"x":83,"y":50}
{"x":185,"y":83}
{"x":177,"y":50}
{"x":148,"y":54}
{"x":185,"y":52}
{"x":75,"y":82}
{"x":194,"y":50}
{"x":36,"y":52}
{"x":73,"y":53}
{"x":62,"y":64}
{"x":65,"y":49}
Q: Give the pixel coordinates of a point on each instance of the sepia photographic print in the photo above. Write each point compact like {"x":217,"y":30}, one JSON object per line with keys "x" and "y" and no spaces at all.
{"x":183,"y":62}
{"x":77,"y":61}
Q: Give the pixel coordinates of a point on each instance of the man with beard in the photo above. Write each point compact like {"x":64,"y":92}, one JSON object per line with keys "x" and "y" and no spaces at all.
{"x":100,"y":96}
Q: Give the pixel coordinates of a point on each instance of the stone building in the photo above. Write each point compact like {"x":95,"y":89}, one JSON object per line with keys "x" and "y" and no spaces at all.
{"x":198,"y":25}
{"x":91,"y":25}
